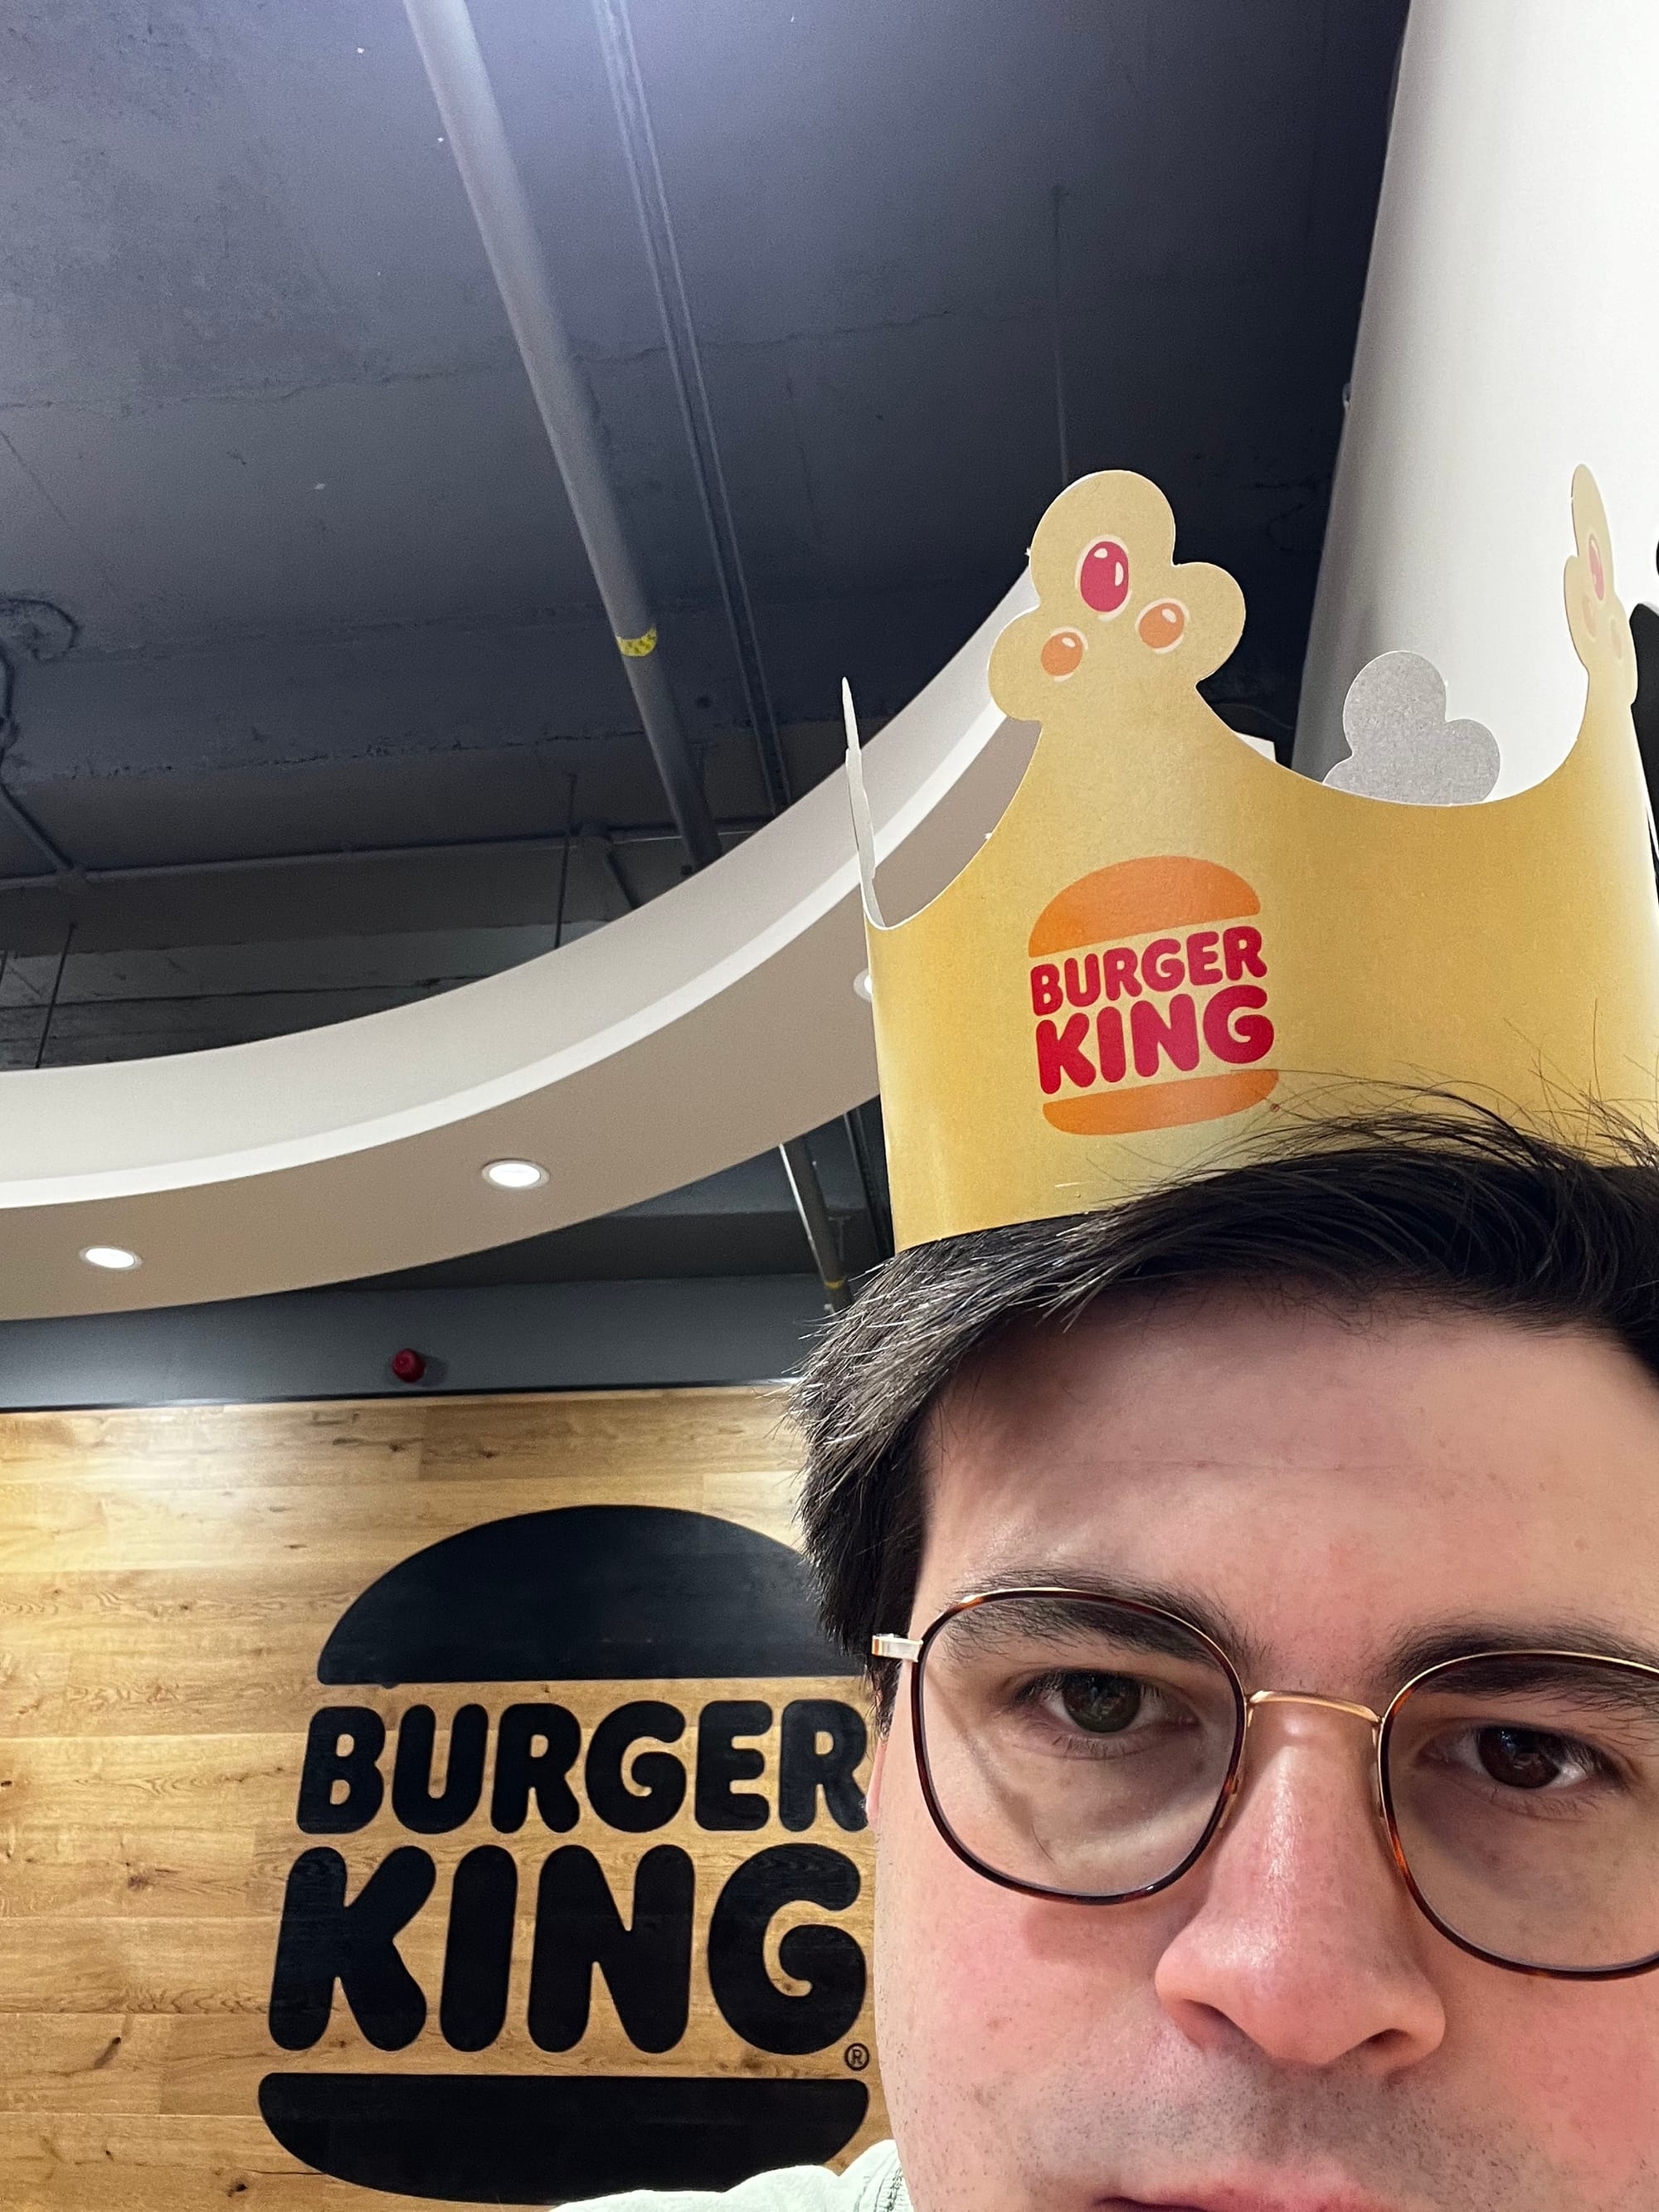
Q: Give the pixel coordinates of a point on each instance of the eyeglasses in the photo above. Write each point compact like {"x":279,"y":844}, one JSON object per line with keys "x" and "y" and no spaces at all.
{"x":1078,"y":1746}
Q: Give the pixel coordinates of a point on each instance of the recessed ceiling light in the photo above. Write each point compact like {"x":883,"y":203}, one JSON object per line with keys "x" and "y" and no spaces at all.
{"x":514,"y":1175}
{"x":862,"y":984}
{"x":115,"y":1257}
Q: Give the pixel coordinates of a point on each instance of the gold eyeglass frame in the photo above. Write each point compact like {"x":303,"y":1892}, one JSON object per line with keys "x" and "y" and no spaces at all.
{"x":912,"y":1651}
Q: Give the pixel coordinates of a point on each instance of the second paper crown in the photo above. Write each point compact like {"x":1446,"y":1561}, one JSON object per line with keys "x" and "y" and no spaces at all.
{"x":1169,"y":939}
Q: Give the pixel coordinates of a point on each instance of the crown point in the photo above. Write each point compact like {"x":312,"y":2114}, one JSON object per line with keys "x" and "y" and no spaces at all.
{"x":864,"y":828}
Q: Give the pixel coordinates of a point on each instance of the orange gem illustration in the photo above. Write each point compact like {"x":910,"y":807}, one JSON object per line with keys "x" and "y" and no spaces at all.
{"x":1063,"y":653}
{"x":1162,"y":624}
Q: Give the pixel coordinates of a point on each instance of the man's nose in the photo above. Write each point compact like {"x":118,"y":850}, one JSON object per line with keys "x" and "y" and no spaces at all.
{"x":1302,"y":1937}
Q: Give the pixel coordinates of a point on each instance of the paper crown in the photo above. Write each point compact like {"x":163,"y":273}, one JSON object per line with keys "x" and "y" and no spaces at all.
{"x":1169,"y":939}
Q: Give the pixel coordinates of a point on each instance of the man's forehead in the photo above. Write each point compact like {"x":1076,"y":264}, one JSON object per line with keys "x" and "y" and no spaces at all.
{"x":1393,"y":1492}
{"x":1198,"y":1330}
{"x":1243,"y":1376}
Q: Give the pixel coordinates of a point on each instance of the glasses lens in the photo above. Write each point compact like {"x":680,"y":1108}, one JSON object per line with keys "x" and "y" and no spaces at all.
{"x":1076,"y":1745}
{"x":1525,"y":1792}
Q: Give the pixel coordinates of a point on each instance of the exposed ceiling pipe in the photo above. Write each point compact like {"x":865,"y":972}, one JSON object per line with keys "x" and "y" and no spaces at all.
{"x":679,"y":330}
{"x":472,"y":121}
{"x":808,"y":1193}
{"x":354,"y":855}
{"x":460,"y":84}
{"x":662,"y":255}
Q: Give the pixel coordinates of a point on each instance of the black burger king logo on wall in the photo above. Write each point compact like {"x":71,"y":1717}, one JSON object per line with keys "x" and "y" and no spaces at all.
{"x":1149,"y":998}
{"x":567,"y":1912}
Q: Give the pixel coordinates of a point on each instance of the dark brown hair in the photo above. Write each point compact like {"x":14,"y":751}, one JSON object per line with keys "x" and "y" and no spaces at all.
{"x":1440,"y":1204}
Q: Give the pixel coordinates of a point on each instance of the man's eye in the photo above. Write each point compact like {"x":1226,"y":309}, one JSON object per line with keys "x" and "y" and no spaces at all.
{"x":1101,"y":1704}
{"x":1527,"y":1759}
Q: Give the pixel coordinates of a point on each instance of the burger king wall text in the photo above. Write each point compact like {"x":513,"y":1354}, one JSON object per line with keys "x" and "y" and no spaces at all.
{"x":483,"y":1823}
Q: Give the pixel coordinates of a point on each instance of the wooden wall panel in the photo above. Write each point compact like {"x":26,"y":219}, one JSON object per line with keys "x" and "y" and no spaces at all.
{"x":167,"y":1580}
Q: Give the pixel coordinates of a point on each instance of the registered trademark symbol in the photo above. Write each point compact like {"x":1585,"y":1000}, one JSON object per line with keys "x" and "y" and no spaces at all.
{"x":857,"y":2056}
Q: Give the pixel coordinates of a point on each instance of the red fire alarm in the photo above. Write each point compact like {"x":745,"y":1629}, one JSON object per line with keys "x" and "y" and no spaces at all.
{"x":408,"y":1365}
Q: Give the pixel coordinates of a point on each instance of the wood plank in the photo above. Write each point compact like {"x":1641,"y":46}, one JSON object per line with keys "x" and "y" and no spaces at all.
{"x":680,"y":1435}
{"x":355,"y":1530}
{"x":128,"y":1693}
{"x":135,"y":1965}
{"x":54,"y":1871}
{"x":82,"y":2062}
{"x":230,"y":1611}
{"x":32,"y":1686}
{"x":216,"y":1782}
{"x":377,"y":1439}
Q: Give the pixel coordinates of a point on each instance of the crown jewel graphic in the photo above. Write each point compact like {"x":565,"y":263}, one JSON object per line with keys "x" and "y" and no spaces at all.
{"x":1169,"y":939}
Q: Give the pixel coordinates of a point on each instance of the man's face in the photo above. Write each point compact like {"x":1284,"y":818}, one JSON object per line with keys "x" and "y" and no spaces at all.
{"x":1281,"y":2031}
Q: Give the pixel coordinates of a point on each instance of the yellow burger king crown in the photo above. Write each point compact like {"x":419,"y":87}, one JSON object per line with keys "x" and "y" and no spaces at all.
{"x":1169,"y":939}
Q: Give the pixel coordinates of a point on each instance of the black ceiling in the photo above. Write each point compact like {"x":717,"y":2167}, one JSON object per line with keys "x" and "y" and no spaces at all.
{"x":265,"y":443}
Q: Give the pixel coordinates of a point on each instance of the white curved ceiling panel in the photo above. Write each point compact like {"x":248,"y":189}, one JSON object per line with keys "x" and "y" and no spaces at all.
{"x":705,"y":1028}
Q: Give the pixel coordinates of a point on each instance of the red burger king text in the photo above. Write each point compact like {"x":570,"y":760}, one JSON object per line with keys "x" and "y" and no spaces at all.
{"x":1210,"y":981}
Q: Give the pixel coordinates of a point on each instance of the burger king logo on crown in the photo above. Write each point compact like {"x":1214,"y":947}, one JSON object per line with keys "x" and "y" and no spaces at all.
{"x":1162,"y":1018}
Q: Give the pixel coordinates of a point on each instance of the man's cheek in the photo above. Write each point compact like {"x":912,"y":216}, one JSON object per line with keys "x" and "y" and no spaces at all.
{"x":1000,"y":1978}
{"x":1586,"y":2067}
{"x":947,"y":1945}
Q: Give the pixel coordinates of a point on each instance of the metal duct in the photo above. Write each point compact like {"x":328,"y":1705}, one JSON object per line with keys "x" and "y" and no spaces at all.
{"x":460,"y":84}
{"x":472,"y":121}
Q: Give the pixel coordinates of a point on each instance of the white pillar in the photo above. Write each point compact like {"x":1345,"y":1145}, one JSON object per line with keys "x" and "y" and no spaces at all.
{"x":1511,"y":331}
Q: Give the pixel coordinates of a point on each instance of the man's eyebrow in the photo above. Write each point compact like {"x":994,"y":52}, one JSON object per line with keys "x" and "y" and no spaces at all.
{"x":1191,"y":1606}
{"x":1414,"y":1653}
{"x":1410,"y":1654}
